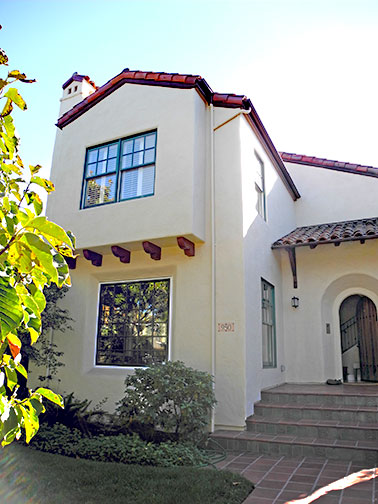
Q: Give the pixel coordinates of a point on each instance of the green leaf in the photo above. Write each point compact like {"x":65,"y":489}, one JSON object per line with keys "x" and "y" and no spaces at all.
{"x":51,"y":396}
{"x":31,"y":422}
{"x":8,"y":107}
{"x":10,"y":308}
{"x":9,"y":126}
{"x":34,"y":169}
{"x":20,"y":368}
{"x":11,"y":377}
{"x":43,"y":254}
{"x":10,"y":225}
{"x":16,"y":98}
{"x":46,"y":184}
{"x":50,"y":229}
{"x":38,"y":205}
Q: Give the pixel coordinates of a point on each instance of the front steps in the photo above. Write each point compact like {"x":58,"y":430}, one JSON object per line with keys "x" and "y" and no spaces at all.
{"x":334,"y":422}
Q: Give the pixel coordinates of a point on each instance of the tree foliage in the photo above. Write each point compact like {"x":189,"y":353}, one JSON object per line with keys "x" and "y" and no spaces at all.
{"x":32,"y":251}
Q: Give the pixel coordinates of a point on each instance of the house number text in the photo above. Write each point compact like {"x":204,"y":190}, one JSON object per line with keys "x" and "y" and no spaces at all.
{"x":226,"y":326}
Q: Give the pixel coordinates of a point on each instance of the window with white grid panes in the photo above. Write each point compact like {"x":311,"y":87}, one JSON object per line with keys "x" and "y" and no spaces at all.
{"x":120,"y":170}
{"x":268,"y":325}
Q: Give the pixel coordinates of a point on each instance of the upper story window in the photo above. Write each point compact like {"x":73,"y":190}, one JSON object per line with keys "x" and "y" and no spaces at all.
{"x":260,"y":187}
{"x":120,"y":170}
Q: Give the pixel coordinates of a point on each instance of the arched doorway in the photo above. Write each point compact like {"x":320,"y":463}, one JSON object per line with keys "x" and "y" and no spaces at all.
{"x":359,"y":337}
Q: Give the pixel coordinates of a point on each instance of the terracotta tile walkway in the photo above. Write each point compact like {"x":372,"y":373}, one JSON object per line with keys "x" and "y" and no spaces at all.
{"x":280,"y":480}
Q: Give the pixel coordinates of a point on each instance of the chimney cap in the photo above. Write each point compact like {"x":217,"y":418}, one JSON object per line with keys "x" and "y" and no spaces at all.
{"x":78,"y":78}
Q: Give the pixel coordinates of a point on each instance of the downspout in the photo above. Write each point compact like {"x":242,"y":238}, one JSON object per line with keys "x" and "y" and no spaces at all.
{"x":214,"y":245}
{"x":213,"y":256}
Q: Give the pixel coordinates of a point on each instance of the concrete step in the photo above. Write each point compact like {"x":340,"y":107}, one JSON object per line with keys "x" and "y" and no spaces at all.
{"x":323,"y":429}
{"x":337,"y":395}
{"x":295,"y":446}
{"x":296,"y":412}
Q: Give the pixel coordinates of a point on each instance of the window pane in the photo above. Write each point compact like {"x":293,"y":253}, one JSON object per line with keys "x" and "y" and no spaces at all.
{"x":148,"y":179}
{"x":92,"y":156}
{"x":113,"y":150}
{"x":112,"y":165}
{"x":91,"y":170}
{"x":127,"y":161}
{"x":138,"y":158}
{"x":100,"y":190}
{"x":129,"y":184}
{"x":102,"y":153}
{"x":127,"y":332}
{"x":149,"y":156}
{"x":139,"y":144}
{"x":101,"y":167}
{"x":127,"y":147}
{"x":150,"y":141}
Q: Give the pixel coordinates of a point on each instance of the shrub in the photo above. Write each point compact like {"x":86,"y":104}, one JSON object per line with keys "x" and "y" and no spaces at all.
{"x":170,"y":397}
{"x":122,"y":448}
{"x":75,"y":415}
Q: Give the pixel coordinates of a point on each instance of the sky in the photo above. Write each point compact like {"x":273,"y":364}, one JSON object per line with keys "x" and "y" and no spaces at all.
{"x":309,"y":66}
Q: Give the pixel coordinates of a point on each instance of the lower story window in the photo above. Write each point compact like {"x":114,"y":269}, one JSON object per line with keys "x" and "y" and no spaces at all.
{"x":268,"y":325}
{"x":133,"y":323}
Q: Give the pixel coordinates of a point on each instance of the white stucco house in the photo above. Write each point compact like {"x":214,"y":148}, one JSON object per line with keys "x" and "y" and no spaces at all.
{"x":198,"y":241}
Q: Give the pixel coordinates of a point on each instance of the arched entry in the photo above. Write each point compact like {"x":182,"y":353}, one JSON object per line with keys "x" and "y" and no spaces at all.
{"x":359,"y":337}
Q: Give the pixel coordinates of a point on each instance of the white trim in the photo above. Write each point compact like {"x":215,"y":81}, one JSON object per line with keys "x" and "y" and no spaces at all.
{"x":105,"y":366}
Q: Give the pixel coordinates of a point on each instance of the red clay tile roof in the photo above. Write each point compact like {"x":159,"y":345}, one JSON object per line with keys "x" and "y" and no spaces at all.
{"x":186,"y":81}
{"x":78,"y":78}
{"x":334,"y":232}
{"x":370,"y":171}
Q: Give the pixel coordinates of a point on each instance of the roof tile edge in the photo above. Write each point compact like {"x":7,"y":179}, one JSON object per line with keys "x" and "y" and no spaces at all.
{"x":370,"y":171}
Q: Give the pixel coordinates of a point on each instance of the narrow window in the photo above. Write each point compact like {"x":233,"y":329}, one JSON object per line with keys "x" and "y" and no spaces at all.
{"x":268,"y":325}
{"x":133,"y":323}
{"x":260,"y":187}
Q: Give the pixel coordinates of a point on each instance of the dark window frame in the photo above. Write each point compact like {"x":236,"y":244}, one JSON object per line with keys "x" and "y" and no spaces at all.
{"x":124,"y":339}
{"x":270,"y":327}
{"x":118,"y":170}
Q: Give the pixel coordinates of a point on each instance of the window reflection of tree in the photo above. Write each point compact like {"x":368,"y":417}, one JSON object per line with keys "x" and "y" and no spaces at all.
{"x":133,"y":326}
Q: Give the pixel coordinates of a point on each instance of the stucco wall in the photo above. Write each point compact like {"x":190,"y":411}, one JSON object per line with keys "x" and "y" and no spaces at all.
{"x":177,"y":207}
{"x":260,"y":262}
{"x":331,"y":196}
{"x":326,"y":276}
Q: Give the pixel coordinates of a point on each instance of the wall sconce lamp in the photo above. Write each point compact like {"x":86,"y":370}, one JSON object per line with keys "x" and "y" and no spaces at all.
{"x":294,"y":302}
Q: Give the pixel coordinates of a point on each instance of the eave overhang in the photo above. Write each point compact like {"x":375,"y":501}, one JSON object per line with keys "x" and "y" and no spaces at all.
{"x":325,"y":234}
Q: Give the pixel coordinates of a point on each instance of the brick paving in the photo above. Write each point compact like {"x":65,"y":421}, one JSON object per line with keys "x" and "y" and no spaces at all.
{"x":280,"y":480}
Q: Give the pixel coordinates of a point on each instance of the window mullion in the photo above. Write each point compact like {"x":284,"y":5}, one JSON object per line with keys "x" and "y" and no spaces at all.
{"x":118,"y":170}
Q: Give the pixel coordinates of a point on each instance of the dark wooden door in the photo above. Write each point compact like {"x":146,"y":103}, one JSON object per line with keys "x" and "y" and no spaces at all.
{"x":368,"y":339}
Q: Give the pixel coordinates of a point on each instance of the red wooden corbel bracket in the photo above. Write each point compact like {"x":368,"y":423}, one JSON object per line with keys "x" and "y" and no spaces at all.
{"x":153,"y":250}
{"x":94,"y":257}
{"x":71,"y":261}
{"x":121,"y":253}
{"x":186,"y":245}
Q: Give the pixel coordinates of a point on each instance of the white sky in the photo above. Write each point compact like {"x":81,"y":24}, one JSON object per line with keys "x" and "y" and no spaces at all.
{"x":309,"y":66}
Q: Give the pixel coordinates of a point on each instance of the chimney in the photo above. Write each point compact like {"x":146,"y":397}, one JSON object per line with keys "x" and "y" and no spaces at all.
{"x":75,"y":89}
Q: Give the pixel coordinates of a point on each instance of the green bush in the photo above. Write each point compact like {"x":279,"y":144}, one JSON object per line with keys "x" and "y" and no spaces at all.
{"x":169,"y":397}
{"x":122,"y":448}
